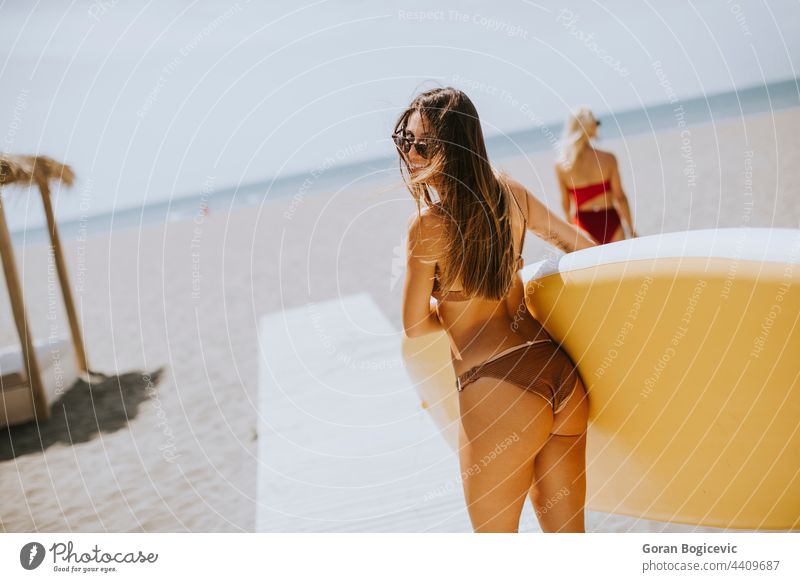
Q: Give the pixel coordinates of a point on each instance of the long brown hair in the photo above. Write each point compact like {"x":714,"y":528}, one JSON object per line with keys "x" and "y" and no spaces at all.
{"x":474,"y":199}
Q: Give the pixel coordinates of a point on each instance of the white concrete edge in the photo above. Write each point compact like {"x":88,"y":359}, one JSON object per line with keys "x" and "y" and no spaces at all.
{"x":779,"y":245}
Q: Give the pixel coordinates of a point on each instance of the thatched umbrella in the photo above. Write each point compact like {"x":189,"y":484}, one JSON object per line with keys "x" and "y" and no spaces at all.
{"x":27,"y":171}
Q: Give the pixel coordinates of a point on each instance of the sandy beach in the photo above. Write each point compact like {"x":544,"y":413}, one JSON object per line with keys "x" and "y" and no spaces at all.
{"x":176,"y":307}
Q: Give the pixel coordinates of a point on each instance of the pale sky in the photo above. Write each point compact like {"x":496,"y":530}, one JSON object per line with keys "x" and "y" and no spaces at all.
{"x":153,"y":100}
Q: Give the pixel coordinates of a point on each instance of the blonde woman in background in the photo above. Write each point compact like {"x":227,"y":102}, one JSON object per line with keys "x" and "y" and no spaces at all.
{"x":591,"y":190}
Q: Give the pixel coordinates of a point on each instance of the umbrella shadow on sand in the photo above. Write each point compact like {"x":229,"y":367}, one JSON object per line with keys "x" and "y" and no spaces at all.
{"x":104,"y":404}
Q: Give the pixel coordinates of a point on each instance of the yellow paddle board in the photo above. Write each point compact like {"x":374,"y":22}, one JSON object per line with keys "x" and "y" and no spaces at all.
{"x":689,"y":345}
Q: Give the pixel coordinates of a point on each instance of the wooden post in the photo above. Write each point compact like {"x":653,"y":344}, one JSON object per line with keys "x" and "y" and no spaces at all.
{"x":63,"y":279}
{"x":34,"y":378}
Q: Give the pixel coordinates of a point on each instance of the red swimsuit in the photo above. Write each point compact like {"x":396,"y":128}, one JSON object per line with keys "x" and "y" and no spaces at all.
{"x":601,"y":224}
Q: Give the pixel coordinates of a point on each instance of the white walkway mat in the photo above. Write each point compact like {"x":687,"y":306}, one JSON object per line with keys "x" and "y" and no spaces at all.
{"x":344,"y":443}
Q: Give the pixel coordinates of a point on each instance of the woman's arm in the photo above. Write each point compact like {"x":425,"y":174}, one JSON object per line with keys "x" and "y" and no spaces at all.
{"x":620,"y":201}
{"x":566,"y":201}
{"x":419,"y":308}
{"x":548,"y":226}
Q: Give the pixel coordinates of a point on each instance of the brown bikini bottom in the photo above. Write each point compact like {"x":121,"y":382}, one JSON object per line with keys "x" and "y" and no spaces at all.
{"x":539,"y":366}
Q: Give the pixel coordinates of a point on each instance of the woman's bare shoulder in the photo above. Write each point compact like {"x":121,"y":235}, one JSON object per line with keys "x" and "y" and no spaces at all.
{"x":431,"y":217}
{"x":605,"y":157}
{"x":518,"y":190}
{"x":505,"y":179}
{"x":426,"y":225}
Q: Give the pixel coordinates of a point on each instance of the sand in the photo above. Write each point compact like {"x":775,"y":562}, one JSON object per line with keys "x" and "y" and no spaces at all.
{"x":185,"y":298}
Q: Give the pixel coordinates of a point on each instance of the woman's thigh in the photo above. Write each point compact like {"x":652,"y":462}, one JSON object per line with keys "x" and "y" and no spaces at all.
{"x":503,"y":426}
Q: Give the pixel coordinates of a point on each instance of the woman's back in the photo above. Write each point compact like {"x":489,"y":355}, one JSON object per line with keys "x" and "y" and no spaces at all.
{"x":589,"y":178}
{"x":478,"y":327}
{"x":592,"y":166}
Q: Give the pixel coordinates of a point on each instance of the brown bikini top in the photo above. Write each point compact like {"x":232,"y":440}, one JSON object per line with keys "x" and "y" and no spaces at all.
{"x":459,"y":295}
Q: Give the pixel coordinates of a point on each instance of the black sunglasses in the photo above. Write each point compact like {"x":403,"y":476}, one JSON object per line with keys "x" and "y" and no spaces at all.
{"x":404,"y":144}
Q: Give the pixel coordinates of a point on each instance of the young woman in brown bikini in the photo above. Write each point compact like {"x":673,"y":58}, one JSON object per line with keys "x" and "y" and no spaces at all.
{"x":522,"y":404}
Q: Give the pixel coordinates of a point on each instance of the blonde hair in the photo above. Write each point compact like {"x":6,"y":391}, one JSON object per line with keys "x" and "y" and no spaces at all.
{"x":575,"y":137}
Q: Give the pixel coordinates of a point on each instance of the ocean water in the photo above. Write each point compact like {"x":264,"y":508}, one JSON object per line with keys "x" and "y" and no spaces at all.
{"x":537,"y":138}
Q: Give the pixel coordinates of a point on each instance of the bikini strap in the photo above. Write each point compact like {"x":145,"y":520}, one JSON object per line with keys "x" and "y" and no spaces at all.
{"x":524,"y":220}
